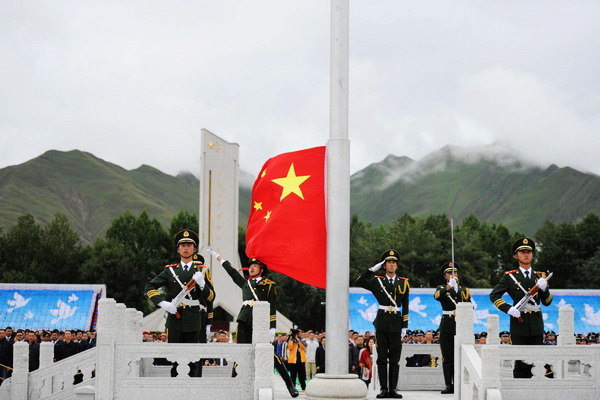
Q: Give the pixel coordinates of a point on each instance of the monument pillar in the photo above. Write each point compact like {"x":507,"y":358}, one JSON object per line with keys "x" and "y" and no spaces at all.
{"x":219,"y":215}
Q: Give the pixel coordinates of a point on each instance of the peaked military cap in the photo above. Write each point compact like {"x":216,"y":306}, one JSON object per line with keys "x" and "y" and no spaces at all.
{"x":255,"y":261}
{"x":483,"y":334}
{"x":198,"y":259}
{"x":186,"y":236}
{"x":504,"y":334}
{"x":523,"y":243}
{"x":550,"y":333}
{"x":389,"y":255}
{"x":448,"y":267}
{"x":418,"y":332}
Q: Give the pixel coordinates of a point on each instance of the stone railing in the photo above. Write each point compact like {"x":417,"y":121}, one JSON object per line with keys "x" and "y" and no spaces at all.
{"x":485,"y":372}
{"x":123,"y":365}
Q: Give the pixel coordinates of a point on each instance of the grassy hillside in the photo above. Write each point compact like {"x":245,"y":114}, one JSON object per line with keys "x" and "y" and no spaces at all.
{"x":521,"y":197}
{"x":92,"y":192}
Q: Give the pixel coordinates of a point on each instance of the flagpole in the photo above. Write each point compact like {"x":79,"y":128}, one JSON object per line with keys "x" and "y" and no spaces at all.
{"x":336,"y":382}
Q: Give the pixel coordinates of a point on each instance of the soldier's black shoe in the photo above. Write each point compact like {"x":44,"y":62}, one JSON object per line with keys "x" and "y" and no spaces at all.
{"x":392,"y":394}
{"x":449,"y":389}
{"x":383,"y":394}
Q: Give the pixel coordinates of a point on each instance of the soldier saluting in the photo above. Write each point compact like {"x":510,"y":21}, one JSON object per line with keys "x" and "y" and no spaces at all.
{"x":391,"y":292}
{"x":517,"y":283}
{"x":448,"y":295}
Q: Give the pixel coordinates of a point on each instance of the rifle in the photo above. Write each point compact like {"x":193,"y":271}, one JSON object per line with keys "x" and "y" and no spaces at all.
{"x":523,"y":303}
{"x":179,"y":298}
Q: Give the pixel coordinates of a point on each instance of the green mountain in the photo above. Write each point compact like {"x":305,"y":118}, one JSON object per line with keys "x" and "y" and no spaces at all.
{"x":92,"y":192}
{"x":489,"y":182}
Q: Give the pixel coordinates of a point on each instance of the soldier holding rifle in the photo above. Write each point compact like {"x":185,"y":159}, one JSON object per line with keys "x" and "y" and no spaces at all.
{"x":448,"y":295}
{"x":185,"y":281}
{"x":528,"y":289}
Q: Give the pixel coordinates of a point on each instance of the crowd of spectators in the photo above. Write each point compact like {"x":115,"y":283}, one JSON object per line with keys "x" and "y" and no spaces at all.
{"x":66,"y":343}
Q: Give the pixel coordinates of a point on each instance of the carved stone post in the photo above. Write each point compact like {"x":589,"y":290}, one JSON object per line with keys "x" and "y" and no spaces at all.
{"x":263,"y":351}
{"x":105,"y":368}
{"x":46,"y":360}
{"x":490,"y":368}
{"x":493,"y":329}
{"x":464,"y":335}
{"x":20,"y":371}
{"x":566,"y":326}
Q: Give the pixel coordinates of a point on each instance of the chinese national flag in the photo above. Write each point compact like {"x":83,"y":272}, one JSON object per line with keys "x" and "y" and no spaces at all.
{"x":286,"y":227}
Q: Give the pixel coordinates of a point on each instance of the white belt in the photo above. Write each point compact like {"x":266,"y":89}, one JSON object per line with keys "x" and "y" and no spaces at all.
{"x":389,"y":308}
{"x":248,"y":303}
{"x":191,"y":303}
{"x":451,"y":313}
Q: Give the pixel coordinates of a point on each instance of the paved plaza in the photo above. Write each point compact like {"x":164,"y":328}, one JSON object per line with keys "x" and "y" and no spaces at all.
{"x":281,"y":393}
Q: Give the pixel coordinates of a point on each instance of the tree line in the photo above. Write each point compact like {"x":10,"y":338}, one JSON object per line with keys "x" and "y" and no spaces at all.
{"x":136,"y":248}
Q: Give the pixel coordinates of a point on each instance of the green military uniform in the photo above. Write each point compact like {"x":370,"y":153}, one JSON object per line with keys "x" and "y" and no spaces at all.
{"x":531,"y":330}
{"x":265,"y":291}
{"x":448,"y":299}
{"x":193,"y":319}
{"x":390,"y":320}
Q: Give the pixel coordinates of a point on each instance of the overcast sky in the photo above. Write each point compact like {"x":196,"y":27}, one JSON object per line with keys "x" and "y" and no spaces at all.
{"x":134,"y":82}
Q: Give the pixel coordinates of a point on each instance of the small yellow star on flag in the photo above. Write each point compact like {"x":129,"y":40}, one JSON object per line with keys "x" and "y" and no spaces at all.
{"x":267,"y":216}
{"x":291,"y":183}
{"x":262,"y":175}
{"x":257,"y":206}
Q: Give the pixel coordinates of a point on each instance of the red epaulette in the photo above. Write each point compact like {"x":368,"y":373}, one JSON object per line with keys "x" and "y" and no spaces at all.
{"x":542,"y":273}
{"x":406,"y":279}
{"x":510,"y":272}
{"x":379,"y":276}
{"x":170,"y":265}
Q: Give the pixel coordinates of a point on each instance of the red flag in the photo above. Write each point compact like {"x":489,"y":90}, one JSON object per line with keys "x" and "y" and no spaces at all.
{"x":286,"y":227}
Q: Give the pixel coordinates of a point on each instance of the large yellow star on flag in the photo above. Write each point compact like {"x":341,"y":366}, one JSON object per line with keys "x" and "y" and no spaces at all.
{"x":291,"y":183}
{"x":257,"y":205}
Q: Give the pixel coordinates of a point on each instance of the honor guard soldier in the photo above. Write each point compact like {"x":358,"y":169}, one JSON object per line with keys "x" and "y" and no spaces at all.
{"x":526,"y":327}
{"x":391,"y":292}
{"x":255,"y":287}
{"x":449,"y":295}
{"x":184,"y":323}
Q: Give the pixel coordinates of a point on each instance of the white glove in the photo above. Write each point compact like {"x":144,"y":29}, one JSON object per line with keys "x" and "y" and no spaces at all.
{"x":213,"y":253}
{"x":543,"y":284}
{"x":272,"y":332}
{"x":208,"y":330}
{"x":199,"y":278}
{"x":403,"y":332}
{"x":452,"y":282}
{"x":168,"y":307}
{"x":377,"y":266}
{"x":514,"y":312}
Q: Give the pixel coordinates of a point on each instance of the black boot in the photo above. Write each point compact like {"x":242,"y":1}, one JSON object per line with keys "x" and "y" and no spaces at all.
{"x":286,"y":377}
{"x":382,"y":372}
{"x":448,"y":376}
{"x":394,"y":372}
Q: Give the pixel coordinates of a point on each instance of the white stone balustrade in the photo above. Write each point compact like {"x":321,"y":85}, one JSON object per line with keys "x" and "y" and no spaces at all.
{"x":123,"y":364}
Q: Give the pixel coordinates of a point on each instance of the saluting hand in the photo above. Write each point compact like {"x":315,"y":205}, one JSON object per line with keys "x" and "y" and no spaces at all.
{"x":377,"y":266}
